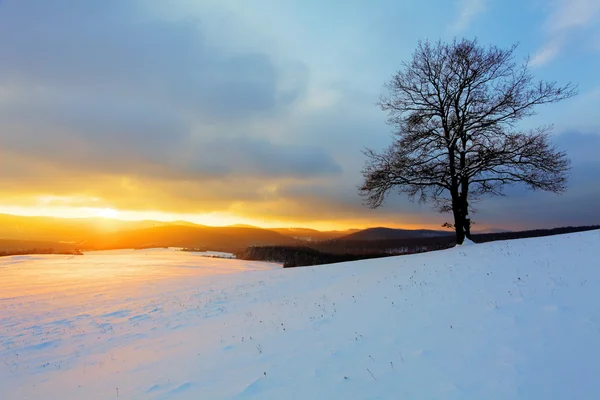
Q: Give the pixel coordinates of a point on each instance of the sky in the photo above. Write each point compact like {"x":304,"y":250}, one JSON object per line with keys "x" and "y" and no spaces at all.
{"x":256,"y":111}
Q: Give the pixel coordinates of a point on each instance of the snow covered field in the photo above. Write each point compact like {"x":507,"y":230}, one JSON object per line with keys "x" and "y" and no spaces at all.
{"x":505,"y":320}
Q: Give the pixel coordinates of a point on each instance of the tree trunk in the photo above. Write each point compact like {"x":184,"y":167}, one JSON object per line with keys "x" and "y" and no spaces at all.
{"x":460,"y":233}
{"x":467,"y":226}
{"x":464,"y":191}
{"x":466,"y":217}
{"x":462,"y":221}
{"x":459,"y":222}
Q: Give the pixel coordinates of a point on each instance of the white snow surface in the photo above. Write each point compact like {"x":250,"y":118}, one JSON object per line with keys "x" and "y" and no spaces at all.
{"x":467,"y":242}
{"x":505,"y":320}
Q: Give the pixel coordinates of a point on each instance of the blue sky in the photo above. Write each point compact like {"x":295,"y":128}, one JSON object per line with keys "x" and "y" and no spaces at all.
{"x":257,"y":111}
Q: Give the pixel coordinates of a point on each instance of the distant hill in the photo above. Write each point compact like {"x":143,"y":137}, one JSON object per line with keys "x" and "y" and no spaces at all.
{"x":489,"y":230}
{"x":312,"y":235}
{"x":340,"y":250}
{"x":392,"y":234}
{"x":103,"y":233}
{"x":242,"y":226}
{"x":304,"y":234}
{"x":180,"y":223}
{"x":229,"y":239}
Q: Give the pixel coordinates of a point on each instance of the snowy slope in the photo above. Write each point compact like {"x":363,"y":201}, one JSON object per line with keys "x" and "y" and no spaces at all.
{"x":505,"y":320}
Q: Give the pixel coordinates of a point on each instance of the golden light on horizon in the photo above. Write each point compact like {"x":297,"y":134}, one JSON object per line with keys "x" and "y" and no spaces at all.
{"x":207,"y":219}
{"x":84,"y":207}
{"x":108,"y":213}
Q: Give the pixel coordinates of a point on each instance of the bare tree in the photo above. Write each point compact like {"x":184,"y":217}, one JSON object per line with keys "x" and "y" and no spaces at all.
{"x":454,"y":108}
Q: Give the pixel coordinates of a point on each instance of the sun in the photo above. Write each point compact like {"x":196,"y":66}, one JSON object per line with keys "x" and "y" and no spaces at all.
{"x":107,"y":213}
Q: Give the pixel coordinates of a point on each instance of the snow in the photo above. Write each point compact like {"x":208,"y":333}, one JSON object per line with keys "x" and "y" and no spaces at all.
{"x":505,"y":320}
{"x":217,"y":254}
{"x":466,"y":242}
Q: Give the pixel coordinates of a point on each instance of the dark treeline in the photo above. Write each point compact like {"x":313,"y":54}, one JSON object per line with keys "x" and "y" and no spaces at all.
{"x":385,"y":246}
{"x":297,"y":256}
{"x":39,"y":251}
{"x":334,"y":251}
{"x":490,"y":237}
{"x":419,"y":245}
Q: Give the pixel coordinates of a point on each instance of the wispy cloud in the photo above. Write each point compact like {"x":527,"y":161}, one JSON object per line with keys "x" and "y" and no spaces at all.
{"x":569,"y":14}
{"x":565,"y":17}
{"x":546,"y":53}
{"x":468,"y":10}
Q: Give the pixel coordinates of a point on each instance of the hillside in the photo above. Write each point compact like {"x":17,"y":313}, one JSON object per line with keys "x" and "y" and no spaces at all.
{"x":503,"y":320}
{"x":102,"y":232}
{"x":392,"y":234}
{"x":304,"y":234}
{"x":413,"y":245}
{"x":229,"y":239}
{"x":312,"y":235}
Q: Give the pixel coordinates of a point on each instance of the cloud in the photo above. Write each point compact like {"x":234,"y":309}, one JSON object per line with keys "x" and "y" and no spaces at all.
{"x":566,"y":17}
{"x":545,"y":54}
{"x":113,"y":103}
{"x":569,"y":14}
{"x":260,"y":157}
{"x":468,"y":11}
{"x":136,"y":108}
{"x":112,"y":88}
{"x":72,"y":46}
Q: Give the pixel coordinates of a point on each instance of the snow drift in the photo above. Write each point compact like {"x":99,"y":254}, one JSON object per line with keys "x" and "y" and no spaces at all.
{"x":505,"y":320}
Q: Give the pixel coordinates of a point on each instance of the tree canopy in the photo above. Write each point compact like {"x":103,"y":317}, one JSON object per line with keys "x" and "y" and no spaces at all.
{"x":455,"y":108}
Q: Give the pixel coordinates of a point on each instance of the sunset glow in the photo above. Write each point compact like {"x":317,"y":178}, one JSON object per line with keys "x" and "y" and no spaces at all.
{"x":209,"y":219}
{"x":270,"y":199}
{"x":227,"y":123}
{"x":108,"y":213}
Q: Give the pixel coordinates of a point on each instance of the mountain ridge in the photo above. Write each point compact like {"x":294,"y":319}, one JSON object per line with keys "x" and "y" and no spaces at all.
{"x":103,"y":233}
{"x":384,"y":233}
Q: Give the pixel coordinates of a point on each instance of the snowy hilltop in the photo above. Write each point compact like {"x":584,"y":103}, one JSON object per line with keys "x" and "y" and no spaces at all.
{"x":515,"y":319}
